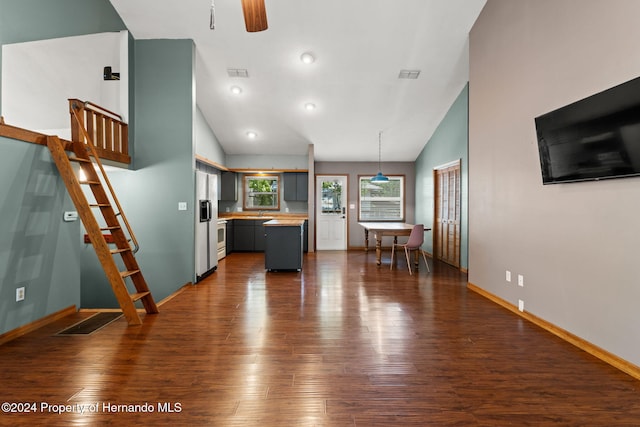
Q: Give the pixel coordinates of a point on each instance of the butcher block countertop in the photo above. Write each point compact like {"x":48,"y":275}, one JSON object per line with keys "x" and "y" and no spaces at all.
{"x":285,"y":223}
{"x":265,"y":215}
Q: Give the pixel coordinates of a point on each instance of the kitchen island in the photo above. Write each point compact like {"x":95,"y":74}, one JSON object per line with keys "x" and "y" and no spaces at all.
{"x":245,"y":230}
{"x":283,"y":244}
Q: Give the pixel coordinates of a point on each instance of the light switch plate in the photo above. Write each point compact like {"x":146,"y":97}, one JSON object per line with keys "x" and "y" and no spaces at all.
{"x":182,"y":206}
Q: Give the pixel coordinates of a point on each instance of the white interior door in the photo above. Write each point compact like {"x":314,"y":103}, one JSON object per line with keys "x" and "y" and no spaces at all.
{"x":331,"y":212}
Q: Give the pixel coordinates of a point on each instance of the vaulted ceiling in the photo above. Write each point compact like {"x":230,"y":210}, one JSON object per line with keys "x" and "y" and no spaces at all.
{"x":360,"y":48}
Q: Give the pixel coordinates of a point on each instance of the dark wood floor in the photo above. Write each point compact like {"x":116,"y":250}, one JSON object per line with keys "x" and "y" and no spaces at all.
{"x":344,"y":343}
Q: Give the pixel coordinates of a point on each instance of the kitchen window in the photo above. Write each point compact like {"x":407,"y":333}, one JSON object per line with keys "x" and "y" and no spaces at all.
{"x":381,"y":201}
{"x":262,"y":192}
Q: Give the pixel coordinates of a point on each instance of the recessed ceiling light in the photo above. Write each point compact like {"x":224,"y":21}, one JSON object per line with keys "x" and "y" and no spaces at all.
{"x":236,"y":90}
{"x":307,"y":58}
{"x":309,"y":106}
{"x":252,"y":135}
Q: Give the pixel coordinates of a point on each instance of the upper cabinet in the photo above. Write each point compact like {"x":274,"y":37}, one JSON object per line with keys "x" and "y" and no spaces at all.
{"x":296,"y":186}
{"x":228,"y":186}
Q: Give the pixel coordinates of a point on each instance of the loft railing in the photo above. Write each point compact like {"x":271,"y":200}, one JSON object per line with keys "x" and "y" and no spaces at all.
{"x":101,"y":128}
{"x":93,"y":151}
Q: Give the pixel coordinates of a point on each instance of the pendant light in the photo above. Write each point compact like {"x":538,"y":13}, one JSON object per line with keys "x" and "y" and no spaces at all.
{"x":379,"y":177}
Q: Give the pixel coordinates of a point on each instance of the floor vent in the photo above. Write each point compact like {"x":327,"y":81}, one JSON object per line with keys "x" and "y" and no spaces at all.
{"x":91,"y":324}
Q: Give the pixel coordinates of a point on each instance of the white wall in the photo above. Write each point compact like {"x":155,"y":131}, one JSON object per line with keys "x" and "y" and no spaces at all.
{"x":38,"y":77}
{"x":576,"y":244}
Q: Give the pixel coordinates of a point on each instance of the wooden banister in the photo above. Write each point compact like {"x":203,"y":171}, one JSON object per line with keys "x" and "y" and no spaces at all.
{"x":99,"y":108}
{"x":107,"y":132}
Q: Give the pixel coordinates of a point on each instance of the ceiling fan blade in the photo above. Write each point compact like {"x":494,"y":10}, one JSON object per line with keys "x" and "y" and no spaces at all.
{"x":255,"y":15}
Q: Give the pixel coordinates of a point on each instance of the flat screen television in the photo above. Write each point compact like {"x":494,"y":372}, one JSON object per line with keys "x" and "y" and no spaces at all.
{"x":595,"y":138}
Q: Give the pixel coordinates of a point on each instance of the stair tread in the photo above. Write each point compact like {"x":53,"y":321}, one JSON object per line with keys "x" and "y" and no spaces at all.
{"x":79,"y":159}
{"x":128,"y":273}
{"x":119,"y":251}
{"x":90,"y":182}
{"x":116,"y":227}
{"x":139,"y":295}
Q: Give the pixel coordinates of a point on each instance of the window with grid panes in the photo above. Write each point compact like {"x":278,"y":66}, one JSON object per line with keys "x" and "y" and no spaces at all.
{"x":381,"y":201}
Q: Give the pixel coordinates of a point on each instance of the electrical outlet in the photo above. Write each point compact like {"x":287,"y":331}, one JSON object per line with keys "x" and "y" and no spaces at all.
{"x":508,"y":276}
{"x":520,"y":305}
{"x":19,"y":294}
{"x":182,"y":206}
{"x":520,"y":280}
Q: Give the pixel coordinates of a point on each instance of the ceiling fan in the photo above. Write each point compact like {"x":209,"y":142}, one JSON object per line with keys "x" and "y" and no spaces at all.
{"x":255,"y":15}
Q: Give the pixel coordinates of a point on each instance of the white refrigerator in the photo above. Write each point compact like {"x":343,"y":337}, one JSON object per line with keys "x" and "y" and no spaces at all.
{"x":206,"y":224}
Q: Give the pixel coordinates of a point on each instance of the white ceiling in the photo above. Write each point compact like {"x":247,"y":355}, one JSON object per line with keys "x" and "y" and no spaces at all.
{"x":360,"y":47}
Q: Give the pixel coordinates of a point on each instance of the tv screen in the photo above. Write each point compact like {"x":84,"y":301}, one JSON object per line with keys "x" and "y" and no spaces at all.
{"x":595,"y":138}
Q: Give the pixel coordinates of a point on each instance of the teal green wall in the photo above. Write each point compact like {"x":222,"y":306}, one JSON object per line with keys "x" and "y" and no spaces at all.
{"x":206,"y":142}
{"x":163,"y":173}
{"x":37,"y":249}
{"x":448,"y":143}
{"x":165,"y":113}
{"x":29,"y":20}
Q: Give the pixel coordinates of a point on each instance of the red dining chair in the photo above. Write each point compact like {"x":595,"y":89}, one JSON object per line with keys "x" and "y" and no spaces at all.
{"x":416,"y":239}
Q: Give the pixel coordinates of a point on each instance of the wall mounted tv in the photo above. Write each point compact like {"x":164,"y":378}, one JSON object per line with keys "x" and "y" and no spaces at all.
{"x":595,"y":138}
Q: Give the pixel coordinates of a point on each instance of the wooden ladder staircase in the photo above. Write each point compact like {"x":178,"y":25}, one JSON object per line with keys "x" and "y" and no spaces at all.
{"x":83,"y":155}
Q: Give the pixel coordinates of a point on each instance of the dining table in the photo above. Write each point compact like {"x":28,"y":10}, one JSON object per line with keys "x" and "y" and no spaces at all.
{"x":381,"y":229}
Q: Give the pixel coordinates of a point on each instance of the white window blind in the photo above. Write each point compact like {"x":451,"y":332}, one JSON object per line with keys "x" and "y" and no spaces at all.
{"x":381,"y":201}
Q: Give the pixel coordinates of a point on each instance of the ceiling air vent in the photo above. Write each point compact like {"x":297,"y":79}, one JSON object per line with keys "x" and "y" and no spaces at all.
{"x":237,"y":72}
{"x":409,"y":74}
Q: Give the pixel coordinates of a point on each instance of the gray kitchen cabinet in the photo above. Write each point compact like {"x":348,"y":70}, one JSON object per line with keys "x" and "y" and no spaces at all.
{"x":283,"y":245}
{"x":243,"y":235}
{"x":258,"y":241}
{"x":230,"y":236}
{"x":305,"y":236}
{"x":296,"y":186}
{"x":248,"y":235}
{"x":228,"y":186}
